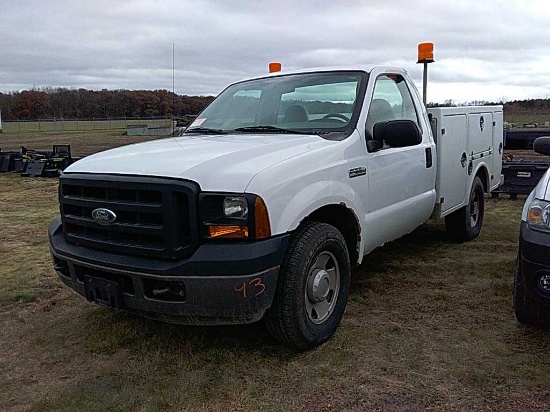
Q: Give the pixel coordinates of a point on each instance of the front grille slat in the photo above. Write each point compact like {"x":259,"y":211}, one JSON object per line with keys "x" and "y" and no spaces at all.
{"x":117,"y":227}
{"x":127,"y":206}
{"x":154,"y":217}
{"x":93,"y":241}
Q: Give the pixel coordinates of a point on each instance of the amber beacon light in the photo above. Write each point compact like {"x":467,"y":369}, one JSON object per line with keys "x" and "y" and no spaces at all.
{"x":425,"y":56}
{"x":275,"y":67}
{"x":426,"y":53}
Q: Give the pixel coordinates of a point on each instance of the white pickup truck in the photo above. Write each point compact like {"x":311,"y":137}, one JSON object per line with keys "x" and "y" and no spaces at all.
{"x":264,"y":204}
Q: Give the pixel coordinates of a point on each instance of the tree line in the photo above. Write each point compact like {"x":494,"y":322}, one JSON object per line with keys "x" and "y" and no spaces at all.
{"x":81,"y":103}
{"x":47,"y":103}
{"x":541,"y":106}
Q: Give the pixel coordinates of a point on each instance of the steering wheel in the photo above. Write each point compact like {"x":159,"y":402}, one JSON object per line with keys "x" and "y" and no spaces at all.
{"x":337,"y":116}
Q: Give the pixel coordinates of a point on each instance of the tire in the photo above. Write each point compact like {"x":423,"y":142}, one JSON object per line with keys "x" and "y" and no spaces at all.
{"x":527,"y":310}
{"x":465,"y":224}
{"x":312,"y":288}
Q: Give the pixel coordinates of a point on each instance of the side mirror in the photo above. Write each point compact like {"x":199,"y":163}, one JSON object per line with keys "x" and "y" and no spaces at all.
{"x":542,"y":145}
{"x":374,"y":145}
{"x":397,"y":133}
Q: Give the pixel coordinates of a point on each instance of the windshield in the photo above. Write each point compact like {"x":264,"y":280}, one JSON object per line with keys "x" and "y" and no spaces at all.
{"x":314,"y":103}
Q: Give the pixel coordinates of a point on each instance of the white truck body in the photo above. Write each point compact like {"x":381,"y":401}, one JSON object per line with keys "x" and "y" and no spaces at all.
{"x":363,"y":173}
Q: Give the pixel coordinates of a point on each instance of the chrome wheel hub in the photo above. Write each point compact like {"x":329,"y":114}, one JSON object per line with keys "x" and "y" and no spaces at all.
{"x":318,"y":286}
{"x":323,"y":285}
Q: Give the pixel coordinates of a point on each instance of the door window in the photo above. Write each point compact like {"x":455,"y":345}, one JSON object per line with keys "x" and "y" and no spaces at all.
{"x":391,"y":101}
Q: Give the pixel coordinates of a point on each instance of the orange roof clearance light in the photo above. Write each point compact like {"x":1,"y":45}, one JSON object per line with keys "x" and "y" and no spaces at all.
{"x":275,"y":67}
{"x":426,"y":53}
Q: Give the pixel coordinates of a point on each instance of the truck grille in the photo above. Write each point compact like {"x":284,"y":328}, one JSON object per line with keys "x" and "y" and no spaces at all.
{"x":154,"y":217}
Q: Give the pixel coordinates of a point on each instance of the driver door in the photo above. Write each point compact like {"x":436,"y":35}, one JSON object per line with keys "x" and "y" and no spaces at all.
{"x":401,"y":191}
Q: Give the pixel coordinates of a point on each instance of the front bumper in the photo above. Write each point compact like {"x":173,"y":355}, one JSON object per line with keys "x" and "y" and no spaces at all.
{"x":534,"y":261}
{"x":219,"y":284}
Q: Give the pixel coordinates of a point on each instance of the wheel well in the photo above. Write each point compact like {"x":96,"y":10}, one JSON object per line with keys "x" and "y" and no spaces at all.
{"x":483,"y":175}
{"x":343,"y":219}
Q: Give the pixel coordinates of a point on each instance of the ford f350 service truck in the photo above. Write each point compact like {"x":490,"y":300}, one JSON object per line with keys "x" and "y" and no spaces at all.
{"x":264,"y":204}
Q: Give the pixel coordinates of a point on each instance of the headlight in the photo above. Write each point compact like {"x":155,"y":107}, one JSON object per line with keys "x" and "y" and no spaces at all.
{"x":240,"y":216}
{"x":235,"y":207}
{"x":538,"y":215}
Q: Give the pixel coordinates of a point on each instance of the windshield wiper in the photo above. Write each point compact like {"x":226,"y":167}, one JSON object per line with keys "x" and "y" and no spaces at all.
{"x":205,"y":130}
{"x":265,"y":129}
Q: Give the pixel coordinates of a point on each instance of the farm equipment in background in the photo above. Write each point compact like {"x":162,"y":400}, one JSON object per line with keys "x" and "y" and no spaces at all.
{"x":520,"y":176}
{"x":10,"y":162}
{"x":35,"y":163}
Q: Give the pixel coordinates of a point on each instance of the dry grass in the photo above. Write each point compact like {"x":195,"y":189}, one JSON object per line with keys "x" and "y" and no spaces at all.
{"x":429,"y":326}
{"x":82,"y":143}
{"x":519,"y":118}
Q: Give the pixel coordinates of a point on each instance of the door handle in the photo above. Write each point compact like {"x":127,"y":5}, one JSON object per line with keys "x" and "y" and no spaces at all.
{"x":429,"y":160}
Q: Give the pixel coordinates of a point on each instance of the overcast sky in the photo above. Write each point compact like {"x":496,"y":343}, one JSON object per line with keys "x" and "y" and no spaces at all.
{"x":484,"y":49}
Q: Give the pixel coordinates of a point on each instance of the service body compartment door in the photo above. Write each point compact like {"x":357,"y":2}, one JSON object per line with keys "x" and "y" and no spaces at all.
{"x":498,"y":147}
{"x":480,"y":132}
{"x":452,"y":161}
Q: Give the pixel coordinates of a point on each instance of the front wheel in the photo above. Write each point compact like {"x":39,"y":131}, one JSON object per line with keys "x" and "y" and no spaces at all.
{"x":465,"y":224}
{"x":527,"y":310}
{"x":312,"y":289}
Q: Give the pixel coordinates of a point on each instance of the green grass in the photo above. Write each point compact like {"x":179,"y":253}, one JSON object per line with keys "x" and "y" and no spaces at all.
{"x":521,"y":118}
{"x":429,"y":325}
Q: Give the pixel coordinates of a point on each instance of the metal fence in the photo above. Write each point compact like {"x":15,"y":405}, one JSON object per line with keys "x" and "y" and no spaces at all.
{"x":73,"y":125}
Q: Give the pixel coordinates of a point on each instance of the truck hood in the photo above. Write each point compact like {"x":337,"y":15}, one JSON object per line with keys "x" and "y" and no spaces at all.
{"x":215,"y":162}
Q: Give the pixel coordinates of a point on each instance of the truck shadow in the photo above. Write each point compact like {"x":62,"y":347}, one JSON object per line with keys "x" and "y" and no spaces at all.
{"x":127,"y":330}
{"x":419,"y":244}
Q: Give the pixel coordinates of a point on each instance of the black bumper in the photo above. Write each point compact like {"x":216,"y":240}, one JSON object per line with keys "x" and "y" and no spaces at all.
{"x":534,"y":261}
{"x":219,"y":284}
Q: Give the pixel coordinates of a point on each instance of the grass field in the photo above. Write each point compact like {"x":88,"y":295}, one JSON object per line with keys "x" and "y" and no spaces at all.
{"x":82,"y":143}
{"x":521,"y":118}
{"x":62,"y":126}
{"x":429,"y":326}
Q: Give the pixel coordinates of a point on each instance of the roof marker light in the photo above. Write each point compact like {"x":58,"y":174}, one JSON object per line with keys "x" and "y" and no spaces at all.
{"x":275,"y":67}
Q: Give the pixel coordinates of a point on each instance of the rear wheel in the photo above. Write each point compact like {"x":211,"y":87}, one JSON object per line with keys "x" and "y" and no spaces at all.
{"x":465,"y":224}
{"x":312,"y":289}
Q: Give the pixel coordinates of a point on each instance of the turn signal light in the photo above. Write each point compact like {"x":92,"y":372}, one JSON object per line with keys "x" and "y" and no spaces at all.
{"x":227,"y":232}
{"x":534,"y":215}
{"x":261,"y":219}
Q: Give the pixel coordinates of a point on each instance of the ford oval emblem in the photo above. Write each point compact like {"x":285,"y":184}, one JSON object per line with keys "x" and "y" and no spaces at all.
{"x":103,"y":216}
